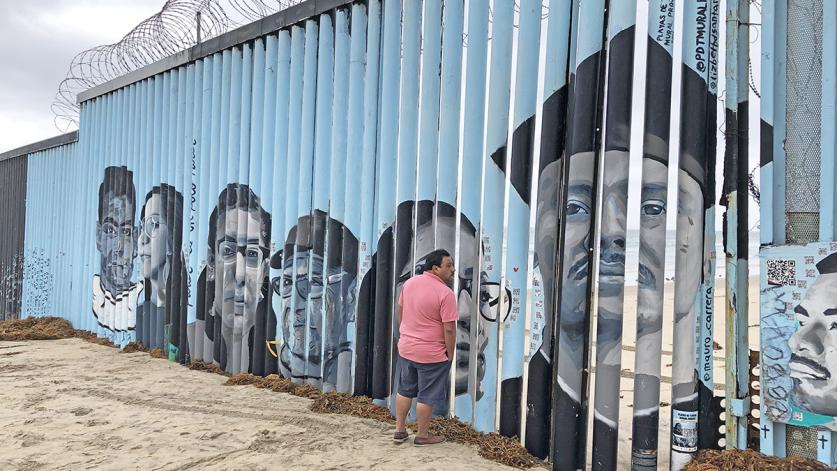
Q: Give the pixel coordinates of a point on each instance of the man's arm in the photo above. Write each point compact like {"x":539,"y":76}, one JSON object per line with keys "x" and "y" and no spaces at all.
{"x":398,"y":313}
{"x":450,"y":338}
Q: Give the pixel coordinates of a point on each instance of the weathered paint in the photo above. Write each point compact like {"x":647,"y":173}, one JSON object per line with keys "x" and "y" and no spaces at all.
{"x":12,"y":234}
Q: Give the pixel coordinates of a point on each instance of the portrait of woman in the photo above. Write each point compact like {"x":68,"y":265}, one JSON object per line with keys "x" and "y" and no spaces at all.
{"x":161,"y":265}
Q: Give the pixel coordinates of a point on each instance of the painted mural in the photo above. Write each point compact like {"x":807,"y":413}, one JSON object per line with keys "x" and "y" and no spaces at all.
{"x":162,"y":268}
{"x":258,"y":209}
{"x":487,"y":305}
{"x":799,"y":334}
{"x":234,"y":287}
{"x":319,"y":279}
{"x":115,"y":293}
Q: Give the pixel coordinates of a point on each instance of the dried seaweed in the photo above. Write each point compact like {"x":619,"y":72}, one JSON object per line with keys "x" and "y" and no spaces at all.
{"x":275,"y":383}
{"x":46,"y":328}
{"x":93,"y":338}
{"x":199,"y":365}
{"x":158,"y":353}
{"x":749,"y":460}
{"x":134,"y":347}
{"x":36,"y":328}
{"x":491,"y":446}
{"x":358,"y":406}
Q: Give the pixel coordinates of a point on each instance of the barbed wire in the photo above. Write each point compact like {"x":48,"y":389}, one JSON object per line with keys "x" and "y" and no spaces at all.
{"x":751,"y":185}
{"x":172,"y":29}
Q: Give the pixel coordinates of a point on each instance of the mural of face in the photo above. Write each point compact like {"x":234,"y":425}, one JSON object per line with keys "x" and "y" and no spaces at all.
{"x":425,"y":243}
{"x":240,"y":263}
{"x":312,"y":290}
{"x":154,"y":240}
{"x":576,"y":245}
{"x":614,"y":202}
{"x":688,"y":270}
{"x":307,"y":293}
{"x":546,"y":241}
{"x":652,"y":219}
{"x":116,"y":240}
{"x":689,"y":222}
{"x":813,"y":363}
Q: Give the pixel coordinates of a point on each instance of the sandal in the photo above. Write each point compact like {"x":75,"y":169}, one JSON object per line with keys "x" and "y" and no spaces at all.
{"x":400,"y":437}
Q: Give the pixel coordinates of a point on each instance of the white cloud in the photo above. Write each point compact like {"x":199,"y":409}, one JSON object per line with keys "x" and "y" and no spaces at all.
{"x":40,"y":39}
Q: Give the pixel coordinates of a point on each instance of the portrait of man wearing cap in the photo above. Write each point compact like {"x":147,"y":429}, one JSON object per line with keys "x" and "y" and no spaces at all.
{"x":317,"y":286}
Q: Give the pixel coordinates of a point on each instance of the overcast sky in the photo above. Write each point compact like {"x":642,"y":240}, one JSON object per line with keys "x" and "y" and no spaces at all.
{"x":39,"y":39}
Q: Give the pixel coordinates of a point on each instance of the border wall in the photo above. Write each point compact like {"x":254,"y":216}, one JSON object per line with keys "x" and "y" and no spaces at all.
{"x":258,"y":201}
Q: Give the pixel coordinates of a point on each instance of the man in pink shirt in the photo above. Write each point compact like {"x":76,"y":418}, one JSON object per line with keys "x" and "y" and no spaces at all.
{"x":427,"y":318}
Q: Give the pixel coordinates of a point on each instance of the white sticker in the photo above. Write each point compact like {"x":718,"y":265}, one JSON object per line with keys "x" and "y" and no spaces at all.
{"x":684,"y":433}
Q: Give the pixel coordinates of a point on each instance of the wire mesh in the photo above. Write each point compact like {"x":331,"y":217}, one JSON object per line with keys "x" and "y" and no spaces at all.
{"x":172,"y":29}
{"x":803,"y":87}
{"x":801,"y":441}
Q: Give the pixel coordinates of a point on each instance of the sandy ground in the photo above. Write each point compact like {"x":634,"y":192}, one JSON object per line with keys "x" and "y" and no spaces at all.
{"x":68,"y":404}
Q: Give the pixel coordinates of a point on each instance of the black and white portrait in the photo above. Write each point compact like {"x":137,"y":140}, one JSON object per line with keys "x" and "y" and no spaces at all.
{"x":317,"y":286}
{"x":115,"y":295}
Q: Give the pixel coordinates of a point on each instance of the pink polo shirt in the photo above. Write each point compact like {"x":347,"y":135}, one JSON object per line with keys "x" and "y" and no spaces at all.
{"x":426,"y":303}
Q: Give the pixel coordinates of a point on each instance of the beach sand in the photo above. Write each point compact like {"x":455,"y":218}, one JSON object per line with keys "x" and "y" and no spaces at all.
{"x":68,"y":404}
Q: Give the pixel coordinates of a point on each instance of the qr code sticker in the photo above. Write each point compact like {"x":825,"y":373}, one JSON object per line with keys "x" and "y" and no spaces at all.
{"x":781,"y":272}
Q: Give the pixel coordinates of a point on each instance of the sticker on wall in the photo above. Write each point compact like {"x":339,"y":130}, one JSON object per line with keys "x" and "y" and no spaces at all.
{"x":799,"y":333}
{"x":684,"y":431}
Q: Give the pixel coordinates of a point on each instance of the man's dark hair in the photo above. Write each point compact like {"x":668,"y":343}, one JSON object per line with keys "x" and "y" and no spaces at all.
{"x":435,"y":258}
{"x":119,"y":182}
{"x":238,"y":196}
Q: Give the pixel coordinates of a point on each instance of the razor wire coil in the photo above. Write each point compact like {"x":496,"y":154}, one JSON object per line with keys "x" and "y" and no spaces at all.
{"x":172,"y":29}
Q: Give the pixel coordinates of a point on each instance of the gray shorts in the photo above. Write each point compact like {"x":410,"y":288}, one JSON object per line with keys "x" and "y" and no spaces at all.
{"x":428,"y":382}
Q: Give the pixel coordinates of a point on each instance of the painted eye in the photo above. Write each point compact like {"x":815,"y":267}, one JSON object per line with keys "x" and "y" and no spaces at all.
{"x":109,"y":229}
{"x":253,"y":253}
{"x":802,"y":323}
{"x":227,"y":251}
{"x":652,"y":208}
{"x":833,"y":326}
{"x":575,"y":207}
